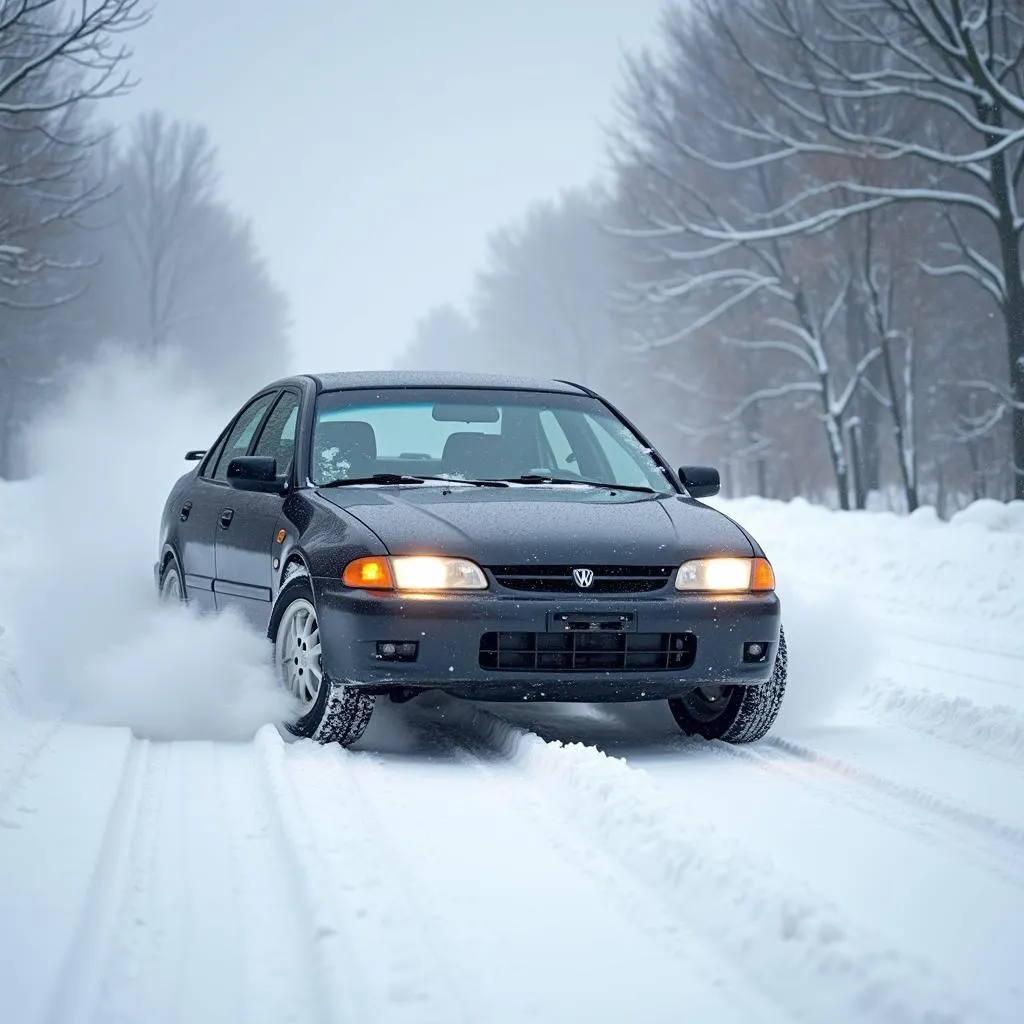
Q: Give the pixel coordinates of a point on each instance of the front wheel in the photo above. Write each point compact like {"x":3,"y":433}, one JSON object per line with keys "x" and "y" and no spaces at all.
{"x":735,"y":714}
{"x":329,"y":711}
{"x":172,"y":590}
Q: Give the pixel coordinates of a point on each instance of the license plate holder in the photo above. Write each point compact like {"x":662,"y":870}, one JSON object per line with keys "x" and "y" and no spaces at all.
{"x":592,"y":622}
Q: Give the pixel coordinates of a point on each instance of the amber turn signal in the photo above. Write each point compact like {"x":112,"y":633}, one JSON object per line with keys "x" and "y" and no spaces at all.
{"x":762,"y":575}
{"x":373,"y":573}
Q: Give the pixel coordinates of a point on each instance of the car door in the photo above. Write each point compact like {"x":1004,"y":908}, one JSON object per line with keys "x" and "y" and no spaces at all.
{"x":247,"y":524}
{"x":197,"y":531}
{"x":206,"y":499}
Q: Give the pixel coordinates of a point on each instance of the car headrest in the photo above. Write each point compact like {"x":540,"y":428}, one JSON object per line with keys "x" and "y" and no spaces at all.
{"x":475,"y":454}
{"x":345,"y":448}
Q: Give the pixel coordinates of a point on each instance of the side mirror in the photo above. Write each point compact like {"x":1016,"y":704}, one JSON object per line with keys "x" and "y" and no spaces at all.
{"x":255,"y":473}
{"x":195,"y":455}
{"x":700,"y":481}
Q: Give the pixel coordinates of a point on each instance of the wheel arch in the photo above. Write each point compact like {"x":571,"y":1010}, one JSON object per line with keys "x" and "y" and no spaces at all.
{"x":294,"y":564}
{"x":170,"y":554}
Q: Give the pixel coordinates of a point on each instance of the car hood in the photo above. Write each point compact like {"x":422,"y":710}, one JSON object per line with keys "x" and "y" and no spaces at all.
{"x":541,"y":524}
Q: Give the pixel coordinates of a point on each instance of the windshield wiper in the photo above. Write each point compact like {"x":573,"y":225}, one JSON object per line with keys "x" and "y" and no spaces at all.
{"x":385,"y":479}
{"x":540,"y":478}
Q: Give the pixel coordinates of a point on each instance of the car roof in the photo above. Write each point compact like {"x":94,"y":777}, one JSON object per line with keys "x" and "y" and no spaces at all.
{"x":436,"y":379}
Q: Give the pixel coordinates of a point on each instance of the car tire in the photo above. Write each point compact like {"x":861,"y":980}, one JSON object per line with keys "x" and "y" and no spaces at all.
{"x":338,"y":712}
{"x":745,"y":714}
{"x":172,"y":587}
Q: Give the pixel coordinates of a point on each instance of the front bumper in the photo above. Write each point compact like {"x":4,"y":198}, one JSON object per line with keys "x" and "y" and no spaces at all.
{"x":448,"y":631}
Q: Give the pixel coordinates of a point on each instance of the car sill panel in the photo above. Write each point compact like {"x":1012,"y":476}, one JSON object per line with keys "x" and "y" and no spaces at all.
{"x":242,"y":590}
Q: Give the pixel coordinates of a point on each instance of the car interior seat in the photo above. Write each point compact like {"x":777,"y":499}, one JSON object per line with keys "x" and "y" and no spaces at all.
{"x":476,"y":455}
{"x":344,"y":449}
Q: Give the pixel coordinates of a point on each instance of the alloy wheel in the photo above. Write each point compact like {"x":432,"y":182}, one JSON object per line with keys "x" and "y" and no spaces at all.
{"x":297,"y":651}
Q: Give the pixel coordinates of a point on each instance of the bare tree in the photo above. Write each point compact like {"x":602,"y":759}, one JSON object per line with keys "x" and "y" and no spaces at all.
{"x":56,"y":61}
{"x":167,"y":176}
{"x":77,"y":45}
{"x":543,"y":300}
{"x":181,"y":270}
{"x":754,"y":284}
{"x":446,"y":339}
{"x":960,"y":65}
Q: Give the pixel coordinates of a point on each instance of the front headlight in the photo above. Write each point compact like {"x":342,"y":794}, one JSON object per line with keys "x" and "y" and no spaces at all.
{"x":414,"y":572}
{"x":726,"y":575}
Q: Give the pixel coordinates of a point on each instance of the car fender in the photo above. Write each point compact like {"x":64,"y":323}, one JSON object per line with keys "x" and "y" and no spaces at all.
{"x":168,"y":551}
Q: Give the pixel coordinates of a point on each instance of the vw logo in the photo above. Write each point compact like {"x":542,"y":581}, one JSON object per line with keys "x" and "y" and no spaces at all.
{"x":584,"y":577}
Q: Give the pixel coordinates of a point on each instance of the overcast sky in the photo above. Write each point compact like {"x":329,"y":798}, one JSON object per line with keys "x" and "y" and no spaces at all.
{"x":374,"y":144}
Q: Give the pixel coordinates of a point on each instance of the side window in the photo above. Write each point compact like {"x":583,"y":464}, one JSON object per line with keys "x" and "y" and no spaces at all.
{"x":278,"y":437}
{"x":241,"y":434}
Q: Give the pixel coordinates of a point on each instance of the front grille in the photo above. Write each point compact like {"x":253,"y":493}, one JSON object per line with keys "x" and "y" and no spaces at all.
{"x":586,"y":651}
{"x":558,"y":579}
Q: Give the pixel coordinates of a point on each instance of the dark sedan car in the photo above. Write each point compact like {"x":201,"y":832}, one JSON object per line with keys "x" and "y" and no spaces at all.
{"x":490,"y":537}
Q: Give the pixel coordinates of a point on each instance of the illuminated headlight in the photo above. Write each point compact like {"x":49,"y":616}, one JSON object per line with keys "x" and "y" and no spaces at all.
{"x":726,"y":575}
{"x":414,"y":572}
{"x":429,"y":573}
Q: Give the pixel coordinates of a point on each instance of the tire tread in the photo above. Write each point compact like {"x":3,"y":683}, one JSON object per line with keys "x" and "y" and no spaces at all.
{"x":345,"y":711}
{"x":751,"y":710}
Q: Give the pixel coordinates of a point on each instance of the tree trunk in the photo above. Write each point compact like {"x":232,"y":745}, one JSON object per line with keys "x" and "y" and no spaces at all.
{"x":837,"y":451}
{"x":857,"y":471}
{"x":1014,"y":313}
{"x":866,"y":460}
{"x":6,"y":431}
{"x":974,"y":457}
{"x":762,"y":477}
{"x":1013,"y":309}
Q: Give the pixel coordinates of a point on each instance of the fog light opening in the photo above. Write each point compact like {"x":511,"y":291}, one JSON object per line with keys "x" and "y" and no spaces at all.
{"x":755,"y":651}
{"x":397,"y":650}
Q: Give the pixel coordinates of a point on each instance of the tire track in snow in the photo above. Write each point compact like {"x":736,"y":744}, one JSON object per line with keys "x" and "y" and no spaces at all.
{"x":914,"y":797}
{"x":999,"y":854}
{"x":77,"y":990}
{"x":358,"y":910}
{"x":189,"y":916}
{"x":787,"y":935}
{"x":1011,"y":654}
{"x":276,"y":934}
{"x":641,"y":911}
{"x":20,"y":759}
{"x":946,"y":670}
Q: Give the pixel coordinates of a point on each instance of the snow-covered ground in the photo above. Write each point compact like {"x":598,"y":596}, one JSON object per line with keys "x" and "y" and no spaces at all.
{"x":166,"y":856}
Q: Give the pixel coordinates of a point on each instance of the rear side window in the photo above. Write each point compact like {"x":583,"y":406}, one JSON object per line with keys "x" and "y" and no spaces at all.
{"x":211,"y":461}
{"x":242,"y":434}
{"x":277,"y":440}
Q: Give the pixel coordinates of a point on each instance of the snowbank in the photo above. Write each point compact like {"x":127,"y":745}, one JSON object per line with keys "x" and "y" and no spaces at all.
{"x":996,"y":730}
{"x":968,"y":571}
{"x":997,"y":516}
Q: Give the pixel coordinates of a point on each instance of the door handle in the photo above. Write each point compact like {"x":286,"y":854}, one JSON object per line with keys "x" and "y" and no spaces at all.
{"x":226,"y":515}
{"x":185,"y":510}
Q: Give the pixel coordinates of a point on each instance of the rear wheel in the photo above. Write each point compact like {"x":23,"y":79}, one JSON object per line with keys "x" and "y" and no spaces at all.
{"x":735,"y":714}
{"x":329,"y":711}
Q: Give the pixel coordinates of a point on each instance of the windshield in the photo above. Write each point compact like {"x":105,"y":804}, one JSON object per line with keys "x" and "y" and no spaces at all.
{"x":481,"y":434}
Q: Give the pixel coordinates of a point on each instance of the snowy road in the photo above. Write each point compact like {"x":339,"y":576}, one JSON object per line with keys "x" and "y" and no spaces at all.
{"x":556,"y":863}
